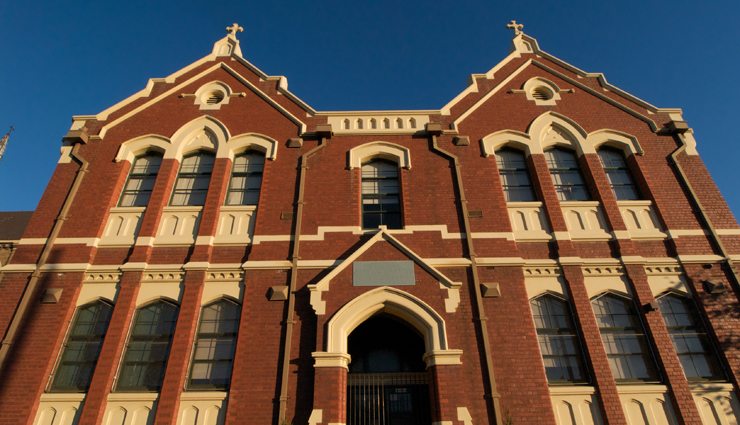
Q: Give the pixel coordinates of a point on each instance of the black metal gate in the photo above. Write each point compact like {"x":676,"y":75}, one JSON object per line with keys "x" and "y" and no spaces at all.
{"x":388,"y":399}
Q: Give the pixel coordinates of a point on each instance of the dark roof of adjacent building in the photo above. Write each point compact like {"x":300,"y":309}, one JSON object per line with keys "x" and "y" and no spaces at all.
{"x":13,"y":223}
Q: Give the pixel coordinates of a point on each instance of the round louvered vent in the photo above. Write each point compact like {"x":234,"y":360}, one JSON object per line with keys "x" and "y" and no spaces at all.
{"x":542,"y":93}
{"x":213,"y":97}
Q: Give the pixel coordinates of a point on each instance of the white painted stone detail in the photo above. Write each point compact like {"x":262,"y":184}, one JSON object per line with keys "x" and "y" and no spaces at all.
{"x":130,"y":408}
{"x":202,"y":408}
{"x":123,"y":226}
{"x":585,"y":220}
{"x":58,"y":409}
{"x":528,"y":221}
{"x":235,"y":225}
{"x":647,"y":404}
{"x":641,"y":220}
{"x":575,"y":406}
{"x":178,"y":226}
{"x":717,"y":403}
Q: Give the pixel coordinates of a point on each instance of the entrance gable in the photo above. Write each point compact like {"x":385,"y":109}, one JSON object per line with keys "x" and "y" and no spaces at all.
{"x":317,"y":289}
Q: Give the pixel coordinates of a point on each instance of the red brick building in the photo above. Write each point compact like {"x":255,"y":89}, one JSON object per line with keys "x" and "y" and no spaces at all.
{"x":545,"y":248}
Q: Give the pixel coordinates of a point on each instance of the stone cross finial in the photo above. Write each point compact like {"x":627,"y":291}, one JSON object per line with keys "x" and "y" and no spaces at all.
{"x":516,"y":27}
{"x":233,"y":29}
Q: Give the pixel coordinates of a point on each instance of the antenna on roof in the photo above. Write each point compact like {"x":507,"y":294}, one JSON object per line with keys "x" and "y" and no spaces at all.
{"x":4,"y":141}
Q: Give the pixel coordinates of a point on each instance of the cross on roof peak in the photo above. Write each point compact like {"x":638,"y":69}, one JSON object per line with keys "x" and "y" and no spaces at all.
{"x":233,"y":29}
{"x":516,"y":27}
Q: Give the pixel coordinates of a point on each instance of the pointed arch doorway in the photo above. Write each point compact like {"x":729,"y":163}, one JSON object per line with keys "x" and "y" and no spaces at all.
{"x":388,"y":382}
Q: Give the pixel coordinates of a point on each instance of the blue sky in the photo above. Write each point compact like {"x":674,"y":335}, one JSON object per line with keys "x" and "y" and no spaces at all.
{"x":79,"y":57}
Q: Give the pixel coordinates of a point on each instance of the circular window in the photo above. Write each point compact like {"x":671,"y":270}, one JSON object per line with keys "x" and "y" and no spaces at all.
{"x":213,"y":97}
{"x":542,"y":93}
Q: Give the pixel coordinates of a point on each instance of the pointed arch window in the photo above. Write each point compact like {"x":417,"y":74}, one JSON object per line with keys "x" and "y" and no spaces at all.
{"x":193,"y":179}
{"x":214,"y":346}
{"x":559,"y":342}
{"x":620,"y":178}
{"x":148,"y":347}
{"x":82,"y":348}
{"x":512,"y":167}
{"x":624,"y":339}
{"x":566,"y":175}
{"x":381,"y":200}
{"x":140,"y":182}
{"x":246,"y":179}
{"x":690,"y":339}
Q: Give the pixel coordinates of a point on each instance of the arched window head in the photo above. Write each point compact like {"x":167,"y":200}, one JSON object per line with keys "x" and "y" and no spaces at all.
{"x":246,"y":179}
{"x":566,"y":175}
{"x":381,"y":201}
{"x":148,"y":347}
{"x":624,"y":339}
{"x":214,"y":346}
{"x":559,"y":342}
{"x":82,"y":348}
{"x":512,"y":167}
{"x":193,"y":179}
{"x":690,"y":339}
{"x":620,"y":178}
{"x":140,"y":180}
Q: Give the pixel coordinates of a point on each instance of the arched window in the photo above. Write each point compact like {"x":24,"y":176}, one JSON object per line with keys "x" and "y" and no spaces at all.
{"x":148,"y":348}
{"x":140,"y":180}
{"x":618,"y":174}
{"x":381,"y":202}
{"x":690,"y":338}
{"x":214,"y":346}
{"x":512,"y":167}
{"x":246,"y":179}
{"x":82,"y":348}
{"x":192,"y":182}
{"x":624,"y":339}
{"x":566,"y":175}
{"x":559,"y":343}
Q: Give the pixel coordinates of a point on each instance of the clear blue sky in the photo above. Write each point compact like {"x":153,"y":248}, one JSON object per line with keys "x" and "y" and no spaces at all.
{"x":79,"y":57}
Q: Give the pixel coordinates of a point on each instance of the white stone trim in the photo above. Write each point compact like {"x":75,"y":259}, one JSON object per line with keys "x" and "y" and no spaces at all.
{"x":398,"y":303}
{"x":443,"y":358}
{"x":386,"y":150}
{"x":616,"y":139}
{"x":209,"y":87}
{"x":246,"y":141}
{"x":536,"y":82}
{"x":317,"y":416}
{"x":325,"y":359}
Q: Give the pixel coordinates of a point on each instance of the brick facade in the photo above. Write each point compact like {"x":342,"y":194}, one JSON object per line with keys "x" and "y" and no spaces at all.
{"x":305,"y":235}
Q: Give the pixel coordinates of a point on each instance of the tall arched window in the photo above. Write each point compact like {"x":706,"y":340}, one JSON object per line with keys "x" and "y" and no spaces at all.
{"x":690,"y":339}
{"x":624,"y":339}
{"x":214,"y":346}
{"x":512,"y":167}
{"x":620,"y":178}
{"x":148,"y":347}
{"x":246,"y":179}
{"x":566,"y":175}
{"x":381,"y":201}
{"x":140,"y":180}
{"x":559,"y":342}
{"x":82,"y":347}
{"x":193,"y":179}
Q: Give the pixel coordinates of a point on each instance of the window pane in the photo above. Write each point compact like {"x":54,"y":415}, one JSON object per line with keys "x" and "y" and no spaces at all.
{"x":697,"y":355}
{"x":81,"y":350}
{"x":512,"y":167}
{"x":140,"y":181}
{"x":191,"y":186}
{"x":148,"y":347}
{"x":624,"y":339}
{"x":380,"y":200}
{"x":618,"y":174}
{"x":246,"y":179}
{"x":214,"y":346}
{"x":559,"y":343}
{"x":566,"y":175}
